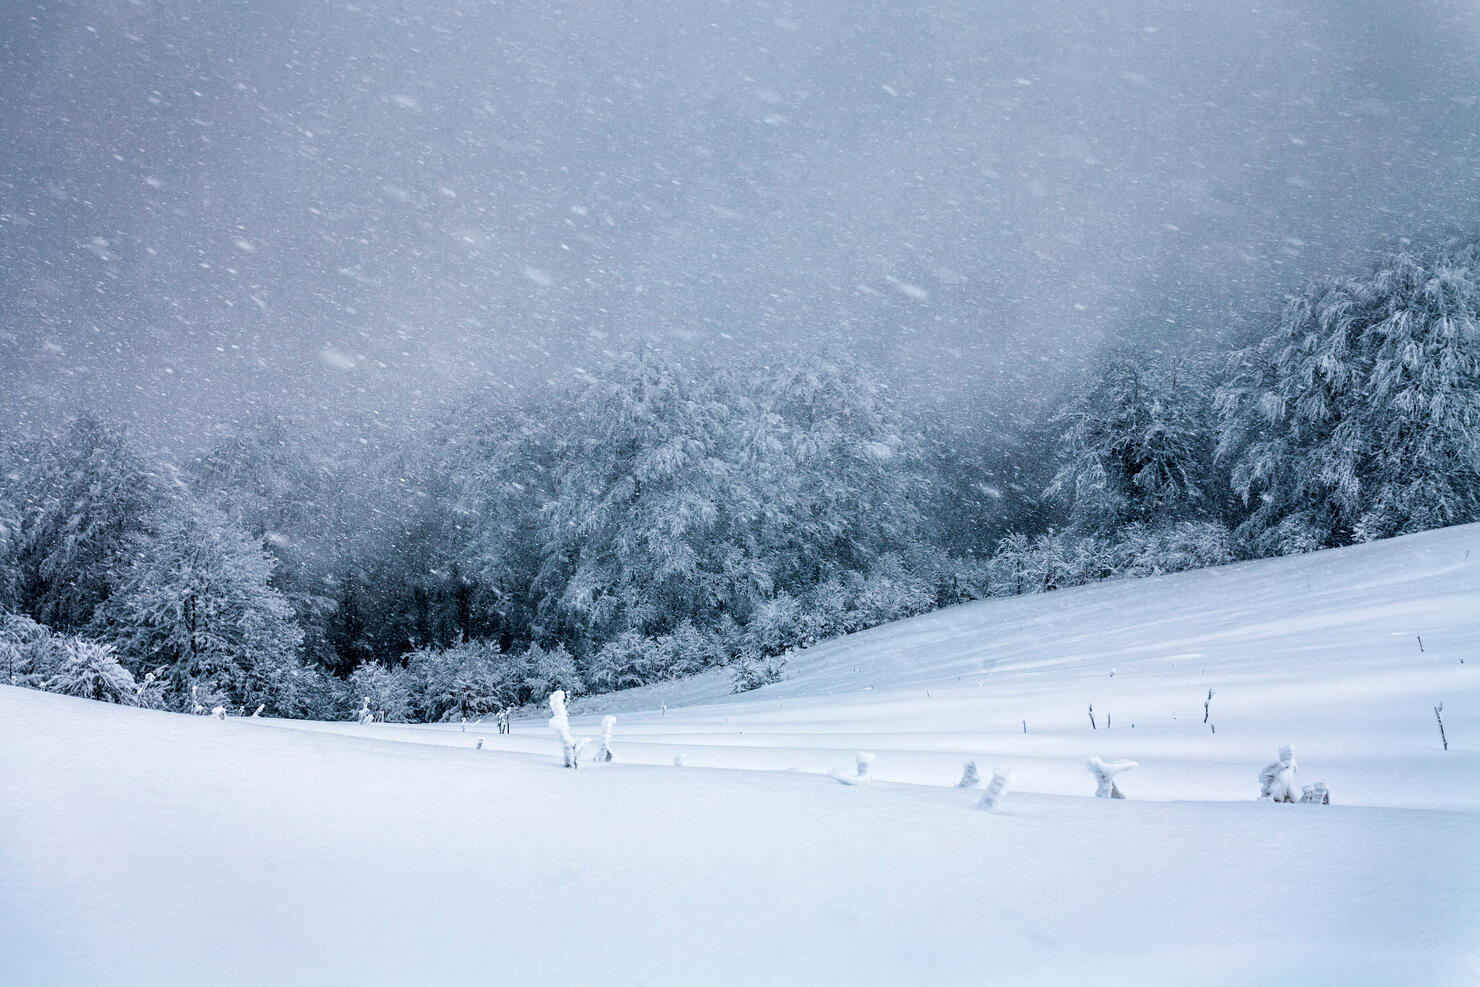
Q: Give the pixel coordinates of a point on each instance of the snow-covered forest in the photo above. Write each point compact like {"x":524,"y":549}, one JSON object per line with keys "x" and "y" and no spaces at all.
{"x":664,"y":514}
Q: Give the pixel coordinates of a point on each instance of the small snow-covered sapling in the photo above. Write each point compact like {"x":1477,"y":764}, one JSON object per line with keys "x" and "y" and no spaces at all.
{"x":1277,"y":780}
{"x":607,"y":723}
{"x":1316,"y":794}
{"x":1105,"y":772}
{"x":996,"y":788}
{"x":480,"y":743}
{"x":560,"y":723}
{"x":969,"y":776}
{"x":365,"y":715}
{"x":219,"y":712}
{"x":863,"y":760}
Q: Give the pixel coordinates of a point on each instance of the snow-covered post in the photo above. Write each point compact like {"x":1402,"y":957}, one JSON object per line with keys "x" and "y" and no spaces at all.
{"x":969,"y":776}
{"x":1105,"y":772}
{"x":560,"y":723}
{"x":996,"y":789}
{"x":608,"y":722}
{"x":863,"y":760}
{"x":1277,"y":780}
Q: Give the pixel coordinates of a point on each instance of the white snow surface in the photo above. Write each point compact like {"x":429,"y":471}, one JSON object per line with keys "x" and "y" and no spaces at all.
{"x":149,"y":848}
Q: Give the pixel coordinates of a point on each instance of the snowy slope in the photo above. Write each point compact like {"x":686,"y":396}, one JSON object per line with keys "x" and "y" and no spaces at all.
{"x":139,"y":847}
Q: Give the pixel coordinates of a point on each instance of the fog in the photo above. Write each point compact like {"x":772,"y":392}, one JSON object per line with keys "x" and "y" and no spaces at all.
{"x":209,"y":210}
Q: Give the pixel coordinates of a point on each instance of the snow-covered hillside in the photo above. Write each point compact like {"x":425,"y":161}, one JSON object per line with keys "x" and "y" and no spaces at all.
{"x":141,"y":847}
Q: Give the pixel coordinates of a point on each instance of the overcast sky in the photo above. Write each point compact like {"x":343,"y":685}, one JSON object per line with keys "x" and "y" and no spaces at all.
{"x":208,"y":207}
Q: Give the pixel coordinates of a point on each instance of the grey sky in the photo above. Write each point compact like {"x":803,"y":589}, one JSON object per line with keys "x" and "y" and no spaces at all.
{"x":210,"y":207}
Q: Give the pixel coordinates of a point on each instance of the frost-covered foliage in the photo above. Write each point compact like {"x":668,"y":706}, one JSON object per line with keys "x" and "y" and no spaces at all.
{"x":1358,"y":416}
{"x":751,"y":671}
{"x":1060,"y":560}
{"x":195,"y":600}
{"x":388,"y":691}
{"x":31,"y":655}
{"x":1135,"y":447}
{"x":76,"y":505}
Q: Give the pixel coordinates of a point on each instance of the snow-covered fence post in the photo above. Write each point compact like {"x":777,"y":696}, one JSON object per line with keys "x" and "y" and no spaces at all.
{"x":1105,"y":772}
{"x":560,"y":723}
{"x":969,"y":776}
{"x":1438,"y":715}
{"x":1277,"y":780}
{"x":996,"y":788}
{"x":607,"y":723}
{"x":863,"y":759}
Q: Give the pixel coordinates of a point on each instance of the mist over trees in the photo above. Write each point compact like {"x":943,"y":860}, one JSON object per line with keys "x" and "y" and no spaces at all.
{"x":664,"y":515}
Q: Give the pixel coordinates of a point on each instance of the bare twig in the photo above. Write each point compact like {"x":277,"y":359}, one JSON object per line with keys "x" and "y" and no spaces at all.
{"x":1438,"y":710}
{"x":1092,"y":717}
{"x":1206,"y":705}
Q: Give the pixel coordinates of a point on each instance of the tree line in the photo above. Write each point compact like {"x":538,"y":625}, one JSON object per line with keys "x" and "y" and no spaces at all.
{"x":666,"y":514}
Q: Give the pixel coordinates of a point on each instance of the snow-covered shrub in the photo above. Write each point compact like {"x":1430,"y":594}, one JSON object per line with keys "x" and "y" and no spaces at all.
{"x":1105,"y":772}
{"x":751,"y":671}
{"x":1277,"y":780}
{"x":970,"y":778}
{"x":388,"y":691}
{"x":29,"y":652}
{"x":91,"y":670}
{"x":542,"y":671}
{"x":863,"y":762}
{"x":1142,"y":550}
{"x":470,"y":679}
{"x":1316,"y":794}
{"x":608,"y":723}
{"x":996,"y":788}
{"x":627,"y":661}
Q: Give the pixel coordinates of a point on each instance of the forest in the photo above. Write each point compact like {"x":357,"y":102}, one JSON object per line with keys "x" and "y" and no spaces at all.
{"x":665,"y":514}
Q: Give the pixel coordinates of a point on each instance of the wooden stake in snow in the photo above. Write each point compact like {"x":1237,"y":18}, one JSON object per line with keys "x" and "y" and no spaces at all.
{"x":1105,"y":772}
{"x":1438,"y":715}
